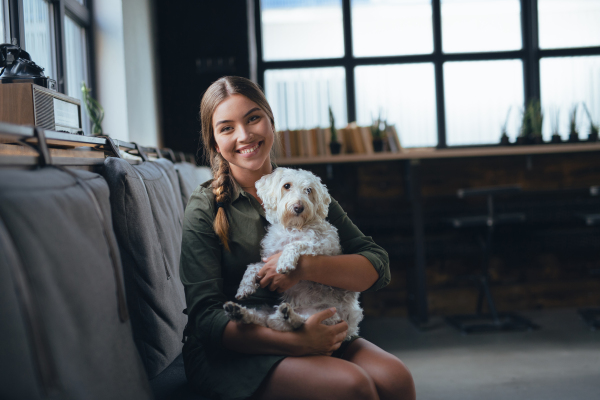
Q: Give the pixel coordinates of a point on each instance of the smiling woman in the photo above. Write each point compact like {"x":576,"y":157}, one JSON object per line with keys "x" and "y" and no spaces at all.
{"x":238,"y":131}
{"x":222,"y":233}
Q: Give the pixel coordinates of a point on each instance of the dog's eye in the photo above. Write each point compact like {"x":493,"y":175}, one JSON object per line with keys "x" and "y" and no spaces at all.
{"x":309,"y":190}
{"x":286,"y":186}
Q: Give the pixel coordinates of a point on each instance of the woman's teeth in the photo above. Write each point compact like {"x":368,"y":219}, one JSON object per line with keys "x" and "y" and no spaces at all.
{"x":250,"y":150}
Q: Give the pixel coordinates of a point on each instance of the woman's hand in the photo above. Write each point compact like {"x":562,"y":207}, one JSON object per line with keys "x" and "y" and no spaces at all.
{"x":269,"y":278}
{"x":319,"y":339}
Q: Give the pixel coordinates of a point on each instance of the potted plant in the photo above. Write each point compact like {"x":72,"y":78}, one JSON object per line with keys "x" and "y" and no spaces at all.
{"x":526,"y":129}
{"x":573,"y":134}
{"x":378,"y":134}
{"x":536,"y":117}
{"x":334,"y":145}
{"x":504,"y":140}
{"x":594,"y":128}
{"x":94,"y":110}
{"x":554,"y":121}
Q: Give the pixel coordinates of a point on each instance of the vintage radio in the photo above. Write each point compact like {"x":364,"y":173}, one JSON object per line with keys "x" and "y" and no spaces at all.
{"x":30,"y":104}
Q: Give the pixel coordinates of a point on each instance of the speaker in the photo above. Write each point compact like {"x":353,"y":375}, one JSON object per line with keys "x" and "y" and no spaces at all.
{"x":30,"y":104}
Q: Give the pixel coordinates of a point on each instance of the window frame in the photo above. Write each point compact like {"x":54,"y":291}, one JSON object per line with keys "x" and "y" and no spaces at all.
{"x":81,"y":14}
{"x":530,"y":55}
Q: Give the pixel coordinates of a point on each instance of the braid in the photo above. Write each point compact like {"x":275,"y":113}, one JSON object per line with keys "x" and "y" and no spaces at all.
{"x":222,"y":191}
{"x":223,"y":182}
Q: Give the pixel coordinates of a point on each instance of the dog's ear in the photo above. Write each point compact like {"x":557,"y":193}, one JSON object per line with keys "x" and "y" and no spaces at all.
{"x":322,"y":198}
{"x":267,"y":188}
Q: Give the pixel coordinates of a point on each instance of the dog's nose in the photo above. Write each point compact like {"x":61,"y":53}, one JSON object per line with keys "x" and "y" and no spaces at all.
{"x":298,"y":209}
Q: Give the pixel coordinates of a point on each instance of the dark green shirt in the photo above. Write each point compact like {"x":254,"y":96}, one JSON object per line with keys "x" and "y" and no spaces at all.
{"x":211,"y":276}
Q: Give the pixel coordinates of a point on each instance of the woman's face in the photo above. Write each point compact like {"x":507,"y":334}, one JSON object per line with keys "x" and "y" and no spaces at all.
{"x":243,"y":133}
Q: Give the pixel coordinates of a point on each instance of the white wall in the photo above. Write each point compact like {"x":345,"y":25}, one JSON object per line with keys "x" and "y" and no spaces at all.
{"x":127,"y":80}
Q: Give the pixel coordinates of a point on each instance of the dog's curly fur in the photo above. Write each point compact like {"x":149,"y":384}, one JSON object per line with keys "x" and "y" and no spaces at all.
{"x":298,"y":227}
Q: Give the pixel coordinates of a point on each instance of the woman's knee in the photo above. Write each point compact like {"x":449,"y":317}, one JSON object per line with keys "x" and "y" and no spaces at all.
{"x":394,"y":380}
{"x":355,"y":383}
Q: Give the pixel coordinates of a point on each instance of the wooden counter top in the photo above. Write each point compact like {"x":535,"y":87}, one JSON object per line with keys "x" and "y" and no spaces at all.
{"x":432,"y":152}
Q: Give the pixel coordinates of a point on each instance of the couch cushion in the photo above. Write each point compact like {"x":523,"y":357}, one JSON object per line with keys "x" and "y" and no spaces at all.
{"x":62,"y":335}
{"x":147,"y":216}
{"x":190,"y":176}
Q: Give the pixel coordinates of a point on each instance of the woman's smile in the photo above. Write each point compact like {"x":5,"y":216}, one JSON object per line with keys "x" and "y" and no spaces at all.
{"x":249,"y":151}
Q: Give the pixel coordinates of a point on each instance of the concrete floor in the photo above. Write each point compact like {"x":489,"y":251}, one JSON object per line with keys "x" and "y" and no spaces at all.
{"x":559,"y":361}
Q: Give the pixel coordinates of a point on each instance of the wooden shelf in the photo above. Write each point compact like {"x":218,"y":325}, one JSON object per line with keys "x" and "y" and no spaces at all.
{"x":432,"y":152}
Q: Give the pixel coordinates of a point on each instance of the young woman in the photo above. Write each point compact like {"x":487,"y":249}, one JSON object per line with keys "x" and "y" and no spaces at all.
{"x":224,"y":224}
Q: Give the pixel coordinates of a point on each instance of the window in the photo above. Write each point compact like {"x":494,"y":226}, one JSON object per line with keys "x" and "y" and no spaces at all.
{"x":572,"y":23}
{"x":39,"y":41}
{"x":444,"y":72}
{"x":569,"y":83}
{"x":470,"y":26}
{"x":391,"y":28}
{"x":76,"y":71}
{"x":3,"y":24}
{"x":480,"y":96}
{"x":293,"y":27}
{"x":57,"y":35}
{"x":404,"y":94}
{"x":301,"y":97}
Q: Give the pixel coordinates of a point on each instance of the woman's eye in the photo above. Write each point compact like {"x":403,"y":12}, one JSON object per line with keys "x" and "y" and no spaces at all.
{"x":253,"y":118}
{"x":286,"y":186}
{"x":225,"y":129}
{"x":309,"y":190}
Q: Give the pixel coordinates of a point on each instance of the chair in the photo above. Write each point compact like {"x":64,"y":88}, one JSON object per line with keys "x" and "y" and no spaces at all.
{"x":494,"y":320}
{"x":591,"y":316}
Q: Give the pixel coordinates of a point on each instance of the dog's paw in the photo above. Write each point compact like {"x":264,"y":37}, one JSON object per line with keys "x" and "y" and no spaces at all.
{"x":283,"y":268}
{"x":286,"y":263}
{"x":285,"y":310}
{"x":233,"y":311}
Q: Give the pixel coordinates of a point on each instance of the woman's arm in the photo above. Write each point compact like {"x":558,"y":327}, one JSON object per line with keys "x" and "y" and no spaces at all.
{"x":364,"y":266}
{"x":347,"y":271}
{"x":312,"y":338}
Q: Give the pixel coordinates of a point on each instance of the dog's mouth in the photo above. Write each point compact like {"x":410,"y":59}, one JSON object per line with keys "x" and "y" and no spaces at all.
{"x":250,"y":150}
{"x":294,"y":217}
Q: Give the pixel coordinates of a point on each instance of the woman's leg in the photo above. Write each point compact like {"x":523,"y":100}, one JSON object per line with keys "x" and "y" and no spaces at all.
{"x":391,"y":377}
{"x":317,"y":377}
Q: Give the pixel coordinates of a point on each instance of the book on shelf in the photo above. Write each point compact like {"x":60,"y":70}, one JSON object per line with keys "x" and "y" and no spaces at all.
{"x":314,"y":142}
{"x":393,"y":139}
{"x":325,"y":137}
{"x":327,"y":140}
{"x":305,"y":144}
{"x":353,"y":138}
{"x":286,"y":150}
{"x":367,"y":138}
{"x":356,"y":138}
{"x":344,"y":137}
{"x":295,"y":148}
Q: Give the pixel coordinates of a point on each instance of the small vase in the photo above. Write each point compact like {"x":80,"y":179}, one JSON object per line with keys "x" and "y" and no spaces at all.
{"x":537,"y":140}
{"x":593,"y":137}
{"x":573,"y":137}
{"x":556,"y":138}
{"x":521,"y":140}
{"x":504,"y":140}
{"x":335,"y":147}
{"x":377,"y":145}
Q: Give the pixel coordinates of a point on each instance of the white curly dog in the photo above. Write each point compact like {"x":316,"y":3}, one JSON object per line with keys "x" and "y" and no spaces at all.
{"x":296,"y":204}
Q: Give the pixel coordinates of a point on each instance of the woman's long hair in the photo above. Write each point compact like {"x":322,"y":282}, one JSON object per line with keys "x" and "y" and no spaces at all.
{"x":223,"y":181}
